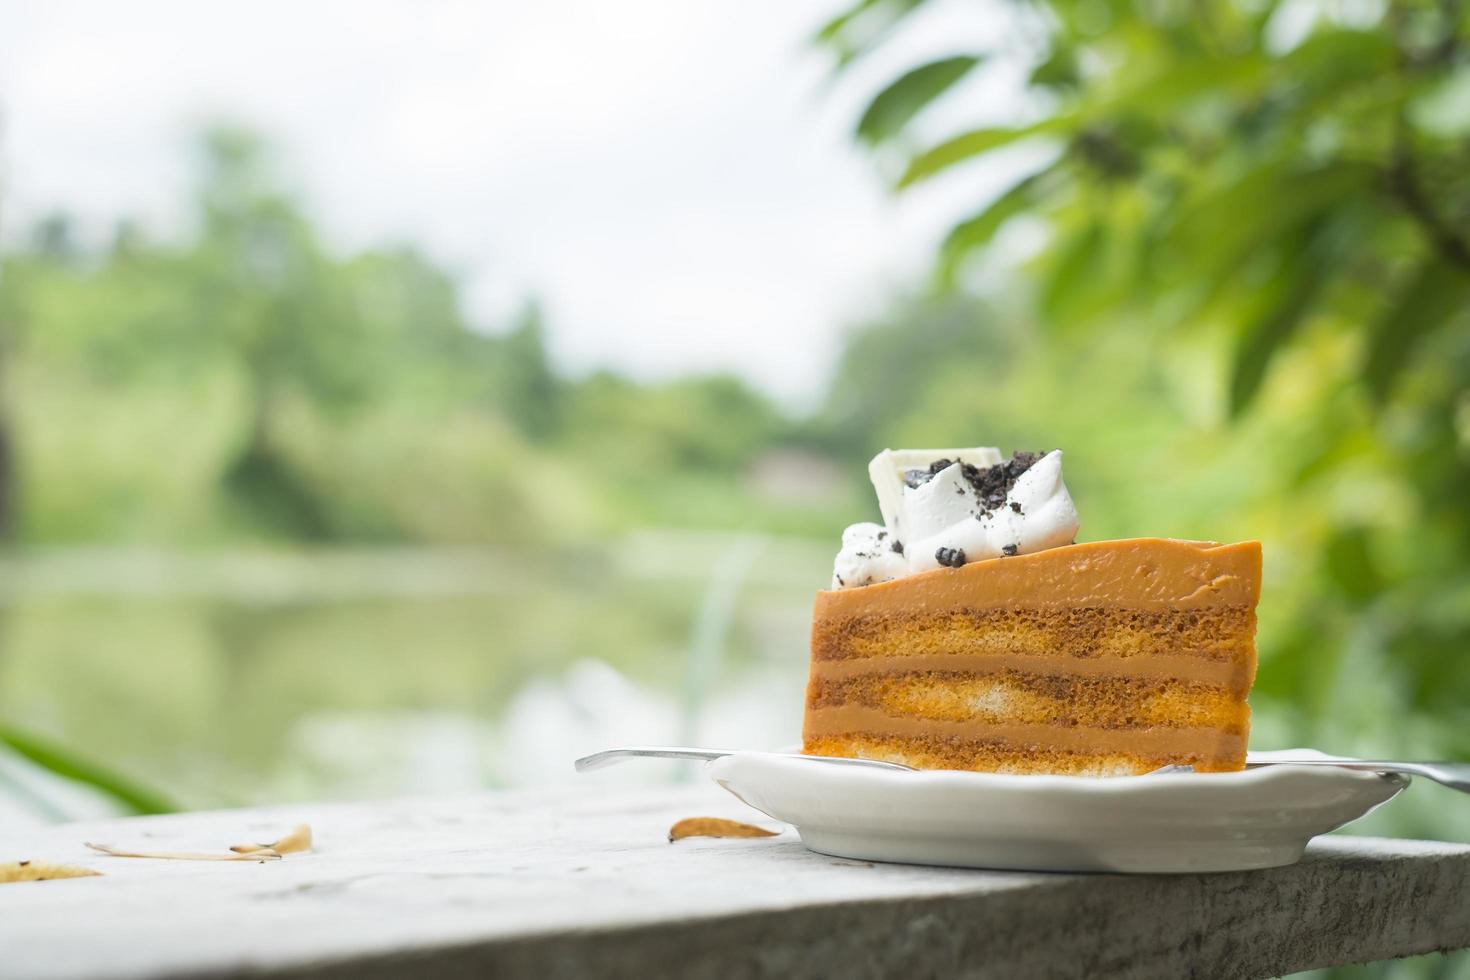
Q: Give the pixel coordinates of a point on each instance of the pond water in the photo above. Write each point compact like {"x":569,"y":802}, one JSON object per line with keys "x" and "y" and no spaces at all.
{"x":236,"y":678}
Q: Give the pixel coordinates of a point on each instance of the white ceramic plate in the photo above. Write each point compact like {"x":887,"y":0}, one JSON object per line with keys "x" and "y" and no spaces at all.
{"x":1184,"y":822}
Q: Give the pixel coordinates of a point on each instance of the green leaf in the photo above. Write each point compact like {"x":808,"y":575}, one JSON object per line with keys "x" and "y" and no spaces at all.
{"x":892,"y":108}
{"x":1230,"y":224}
{"x":861,"y":26}
{"x":1333,"y":57}
{"x":1157,"y":94}
{"x":977,"y":231}
{"x":1074,"y":275}
{"x":1429,"y":299}
{"x":1288,"y":299}
{"x":974,"y":143}
{"x":1344,"y":78}
{"x":834,"y":28}
{"x":62,"y":762}
{"x":1059,"y":70}
{"x":1170,"y":89}
{"x":1351,"y":565}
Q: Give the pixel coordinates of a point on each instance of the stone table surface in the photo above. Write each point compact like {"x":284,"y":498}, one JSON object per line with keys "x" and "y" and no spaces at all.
{"x":582,"y":882}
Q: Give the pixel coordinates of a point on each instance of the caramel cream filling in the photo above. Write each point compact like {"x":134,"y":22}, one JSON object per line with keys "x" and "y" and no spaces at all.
{"x":1236,"y":676}
{"x":853,"y":719}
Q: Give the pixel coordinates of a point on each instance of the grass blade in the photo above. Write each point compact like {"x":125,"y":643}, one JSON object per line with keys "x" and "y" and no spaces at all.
{"x":63,"y":762}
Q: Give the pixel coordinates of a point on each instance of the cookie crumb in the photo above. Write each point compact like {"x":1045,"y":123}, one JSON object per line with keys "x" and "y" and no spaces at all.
{"x":950,"y":557}
{"x":993,"y":483}
{"x":1009,"y":550}
{"x":915,"y":478}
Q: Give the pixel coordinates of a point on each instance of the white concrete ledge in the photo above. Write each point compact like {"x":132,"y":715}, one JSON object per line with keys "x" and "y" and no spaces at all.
{"x":582,"y":883}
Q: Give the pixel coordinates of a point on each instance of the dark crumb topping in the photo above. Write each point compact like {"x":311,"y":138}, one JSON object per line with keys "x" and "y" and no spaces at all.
{"x":917,"y":478}
{"x":1009,"y":550}
{"x":992,"y":483}
{"x":896,"y":547}
{"x":1015,"y":507}
{"x":950,"y":557}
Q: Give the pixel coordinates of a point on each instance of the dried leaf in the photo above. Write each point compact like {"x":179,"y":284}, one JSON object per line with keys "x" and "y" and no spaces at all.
{"x":13,"y":871}
{"x":295,"y":842}
{"x":715,"y":827}
{"x":265,"y":854}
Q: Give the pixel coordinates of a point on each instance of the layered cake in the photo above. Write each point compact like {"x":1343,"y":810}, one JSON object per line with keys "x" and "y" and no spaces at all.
{"x":970,"y":631}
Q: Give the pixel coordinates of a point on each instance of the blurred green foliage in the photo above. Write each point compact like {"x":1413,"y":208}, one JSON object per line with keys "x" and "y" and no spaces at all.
{"x":247,"y":383}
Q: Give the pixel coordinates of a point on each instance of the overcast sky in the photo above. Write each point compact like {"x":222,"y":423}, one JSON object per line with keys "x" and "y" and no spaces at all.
{"x":674,"y":180}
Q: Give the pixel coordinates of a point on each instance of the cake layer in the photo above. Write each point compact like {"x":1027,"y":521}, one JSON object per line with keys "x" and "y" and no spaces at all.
{"x":1235,"y":674}
{"x":982,"y":755}
{"x":1224,"y":633}
{"x":860,"y":720}
{"x":1135,"y":573}
{"x":1007,"y":696}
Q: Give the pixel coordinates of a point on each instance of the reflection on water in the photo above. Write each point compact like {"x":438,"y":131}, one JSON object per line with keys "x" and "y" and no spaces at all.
{"x":240,"y":678}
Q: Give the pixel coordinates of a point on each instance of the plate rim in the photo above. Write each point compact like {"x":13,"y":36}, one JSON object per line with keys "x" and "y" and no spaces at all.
{"x":1089,"y":784}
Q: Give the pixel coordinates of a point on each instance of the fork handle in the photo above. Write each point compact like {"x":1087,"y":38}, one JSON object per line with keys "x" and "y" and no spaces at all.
{"x":608,"y":757}
{"x":1455,"y":775}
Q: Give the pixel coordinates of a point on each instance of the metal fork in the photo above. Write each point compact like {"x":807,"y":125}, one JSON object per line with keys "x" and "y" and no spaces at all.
{"x":1455,"y":775}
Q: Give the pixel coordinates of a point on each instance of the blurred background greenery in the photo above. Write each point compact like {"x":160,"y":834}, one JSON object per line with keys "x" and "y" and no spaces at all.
{"x":281,"y":525}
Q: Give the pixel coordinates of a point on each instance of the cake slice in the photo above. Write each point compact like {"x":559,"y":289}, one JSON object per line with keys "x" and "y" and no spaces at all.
{"x":1105,"y":658}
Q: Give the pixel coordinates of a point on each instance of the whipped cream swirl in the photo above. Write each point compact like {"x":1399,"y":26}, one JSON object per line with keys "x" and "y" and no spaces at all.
{"x":955,"y":506}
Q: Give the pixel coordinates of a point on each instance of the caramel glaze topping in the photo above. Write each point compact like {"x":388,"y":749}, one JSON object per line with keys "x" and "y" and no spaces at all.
{"x":1132,"y":573}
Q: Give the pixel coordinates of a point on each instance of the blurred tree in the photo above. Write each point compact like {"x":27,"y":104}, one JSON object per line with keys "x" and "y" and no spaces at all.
{"x":1265,"y":165}
{"x":529,"y":391}
{"x":8,"y":481}
{"x":304,"y":394}
{"x":1284,"y":185}
{"x":885,"y":366}
{"x":8,"y":478}
{"x":713,"y":424}
{"x":266,"y":293}
{"x":54,"y":238}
